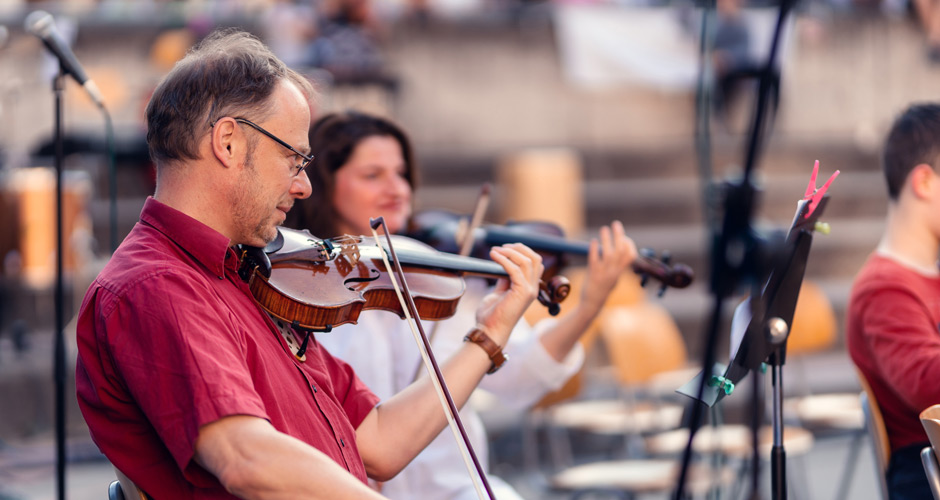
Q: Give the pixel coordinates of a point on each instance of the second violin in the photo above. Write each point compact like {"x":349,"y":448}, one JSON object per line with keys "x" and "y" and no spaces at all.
{"x":444,"y":231}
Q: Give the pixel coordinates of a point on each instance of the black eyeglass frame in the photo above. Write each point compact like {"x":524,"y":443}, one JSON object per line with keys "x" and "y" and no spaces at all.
{"x":306,"y":158}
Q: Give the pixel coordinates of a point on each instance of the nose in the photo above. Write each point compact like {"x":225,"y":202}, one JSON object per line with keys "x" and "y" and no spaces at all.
{"x":400,"y":186}
{"x":300,"y":186}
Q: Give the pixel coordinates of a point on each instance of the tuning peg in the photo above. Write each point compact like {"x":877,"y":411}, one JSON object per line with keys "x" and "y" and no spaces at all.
{"x":646,"y":253}
{"x":666,"y":257}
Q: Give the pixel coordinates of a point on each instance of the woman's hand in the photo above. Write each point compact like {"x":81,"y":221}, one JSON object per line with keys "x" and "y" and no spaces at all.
{"x":608,"y":257}
{"x":501,"y":309}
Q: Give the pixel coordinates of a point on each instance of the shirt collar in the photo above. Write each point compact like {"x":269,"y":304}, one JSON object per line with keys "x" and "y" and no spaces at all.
{"x":205,"y":244}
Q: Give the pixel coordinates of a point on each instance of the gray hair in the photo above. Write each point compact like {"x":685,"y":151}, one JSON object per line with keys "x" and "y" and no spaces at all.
{"x":230,"y":73}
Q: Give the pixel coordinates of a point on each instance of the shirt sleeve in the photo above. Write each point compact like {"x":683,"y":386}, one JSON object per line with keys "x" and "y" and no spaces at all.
{"x":182,"y":357}
{"x":531,"y":372}
{"x":900,"y":328}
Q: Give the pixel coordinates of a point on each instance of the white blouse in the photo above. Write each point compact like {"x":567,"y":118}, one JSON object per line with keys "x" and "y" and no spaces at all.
{"x":382,"y":350}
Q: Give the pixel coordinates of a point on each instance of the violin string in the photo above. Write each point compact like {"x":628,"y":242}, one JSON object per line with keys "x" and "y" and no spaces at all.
{"x":451,"y":418}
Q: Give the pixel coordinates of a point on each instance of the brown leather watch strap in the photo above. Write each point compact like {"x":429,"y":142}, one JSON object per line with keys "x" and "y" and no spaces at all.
{"x":493,"y":350}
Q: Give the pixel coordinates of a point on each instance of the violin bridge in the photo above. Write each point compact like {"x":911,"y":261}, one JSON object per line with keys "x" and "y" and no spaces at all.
{"x":348,"y":249}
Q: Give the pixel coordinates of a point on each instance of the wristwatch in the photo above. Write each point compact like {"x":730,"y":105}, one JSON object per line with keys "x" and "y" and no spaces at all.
{"x":493,"y":350}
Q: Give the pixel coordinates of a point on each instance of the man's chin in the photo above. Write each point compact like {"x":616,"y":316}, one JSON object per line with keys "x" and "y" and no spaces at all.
{"x":262,"y":236}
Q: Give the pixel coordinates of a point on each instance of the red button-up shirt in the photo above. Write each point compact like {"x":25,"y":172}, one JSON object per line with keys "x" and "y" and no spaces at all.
{"x":170,"y":339}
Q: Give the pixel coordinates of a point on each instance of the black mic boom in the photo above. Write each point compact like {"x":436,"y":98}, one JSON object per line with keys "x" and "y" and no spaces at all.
{"x":41,"y":24}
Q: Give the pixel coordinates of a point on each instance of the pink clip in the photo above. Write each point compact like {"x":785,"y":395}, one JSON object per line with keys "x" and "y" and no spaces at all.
{"x":814,"y":194}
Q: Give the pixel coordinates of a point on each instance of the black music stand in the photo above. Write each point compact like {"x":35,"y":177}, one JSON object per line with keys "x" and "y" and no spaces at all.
{"x":765,"y":337}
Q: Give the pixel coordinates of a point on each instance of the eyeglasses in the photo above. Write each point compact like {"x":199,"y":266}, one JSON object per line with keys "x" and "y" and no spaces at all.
{"x":296,"y":169}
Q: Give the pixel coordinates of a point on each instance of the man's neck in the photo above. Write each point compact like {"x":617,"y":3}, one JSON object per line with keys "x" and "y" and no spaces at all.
{"x":910,"y":243}
{"x":193,"y":196}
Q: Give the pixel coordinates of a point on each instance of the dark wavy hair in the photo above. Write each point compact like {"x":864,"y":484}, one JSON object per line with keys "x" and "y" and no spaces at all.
{"x":333,"y":138}
{"x":229,"y":73}
{"x":914,"y":139}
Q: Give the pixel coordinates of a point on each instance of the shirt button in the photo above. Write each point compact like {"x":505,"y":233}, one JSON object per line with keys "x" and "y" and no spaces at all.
{"x":342,"y":443}
{"x":314,"y":388}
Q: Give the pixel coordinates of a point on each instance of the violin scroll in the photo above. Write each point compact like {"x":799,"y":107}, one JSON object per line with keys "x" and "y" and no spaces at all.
{"x":554,"y":292}
{"x":669,"y":275}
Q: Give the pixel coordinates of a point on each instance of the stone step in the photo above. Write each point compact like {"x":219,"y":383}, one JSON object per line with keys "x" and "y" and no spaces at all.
{"x":666,"y":159}
{"x":678,"y":201}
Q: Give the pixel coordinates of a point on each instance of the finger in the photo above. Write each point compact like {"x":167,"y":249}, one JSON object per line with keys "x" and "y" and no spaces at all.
{"x":502,"y":284}
{"x":524,"y":257}
{"x":607,"y":244}
{"x":522,"y":270}
{"x":524,"y":250}
{"x":624,"y":242}
{"x":593,"y":253}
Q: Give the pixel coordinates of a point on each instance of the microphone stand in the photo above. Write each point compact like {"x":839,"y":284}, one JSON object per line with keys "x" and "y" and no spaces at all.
{"x":59,"y":361}
{"x":736,"y":249}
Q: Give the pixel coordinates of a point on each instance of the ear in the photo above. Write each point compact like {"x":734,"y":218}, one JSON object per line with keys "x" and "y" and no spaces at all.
{"x":225,"y":141}
{"x":923,"y":181}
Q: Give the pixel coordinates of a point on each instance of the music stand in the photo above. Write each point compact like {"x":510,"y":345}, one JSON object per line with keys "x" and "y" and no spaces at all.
{"x":765,"y":336}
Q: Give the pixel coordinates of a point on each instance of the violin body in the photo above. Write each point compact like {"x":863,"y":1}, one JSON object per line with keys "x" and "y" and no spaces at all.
{"x":318,"y":284}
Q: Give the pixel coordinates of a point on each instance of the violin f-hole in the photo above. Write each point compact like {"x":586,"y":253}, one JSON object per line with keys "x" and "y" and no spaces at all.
{"x":373,"y":275}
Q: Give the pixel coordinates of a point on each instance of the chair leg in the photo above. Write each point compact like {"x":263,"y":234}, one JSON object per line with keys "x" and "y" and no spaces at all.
{"x":560,"y":446}
{"x":798,"y":485}
{"x":845,"y":483}
{"x":530,"y":442}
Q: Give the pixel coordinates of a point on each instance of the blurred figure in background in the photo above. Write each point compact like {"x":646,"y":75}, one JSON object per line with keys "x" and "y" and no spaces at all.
{"x":928,"y":12}
{"x":894,"y":314}
{"x":290,"y":28}
{"x":731,"y":57}
{"x":364,"y":167}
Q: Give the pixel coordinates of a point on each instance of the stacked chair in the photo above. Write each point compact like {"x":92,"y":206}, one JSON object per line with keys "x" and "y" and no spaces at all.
{"x":643,"y":344}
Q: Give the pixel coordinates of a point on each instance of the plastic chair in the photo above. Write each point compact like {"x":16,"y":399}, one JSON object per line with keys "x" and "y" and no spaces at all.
{"x":123,"y":488}
{"x":642,"y":342}
{"x":814,"y":330}
{"x":930,"y":419}
{"x":114,"y":491}
{"x":875,"y":425}
{"x":932,"y":468}
{"x":627,"y":291}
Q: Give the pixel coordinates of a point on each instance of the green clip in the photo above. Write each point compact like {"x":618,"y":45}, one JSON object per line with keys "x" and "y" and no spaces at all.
{"x":822,"y":227}
{"x":763,"y":367}
{"x":722,"y":383}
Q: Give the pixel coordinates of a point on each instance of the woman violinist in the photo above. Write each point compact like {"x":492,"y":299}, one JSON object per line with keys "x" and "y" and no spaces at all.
{"x":364,"y":167}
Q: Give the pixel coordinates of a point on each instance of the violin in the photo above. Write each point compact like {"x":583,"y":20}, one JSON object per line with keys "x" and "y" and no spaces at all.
{"x":442,"y":230}
{"x":317,"y":284}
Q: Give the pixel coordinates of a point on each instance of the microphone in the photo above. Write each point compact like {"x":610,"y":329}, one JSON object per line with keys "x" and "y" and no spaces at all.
{"x":41,"y":24}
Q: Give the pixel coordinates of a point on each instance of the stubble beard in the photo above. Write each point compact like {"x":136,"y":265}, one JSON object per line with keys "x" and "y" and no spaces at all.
{"x":250,"y":210}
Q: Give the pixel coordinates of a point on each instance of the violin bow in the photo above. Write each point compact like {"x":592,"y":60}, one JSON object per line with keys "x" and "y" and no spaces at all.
{"x":465,"y":238}
{"x":424,"y":347}
{"x":468,"y":239}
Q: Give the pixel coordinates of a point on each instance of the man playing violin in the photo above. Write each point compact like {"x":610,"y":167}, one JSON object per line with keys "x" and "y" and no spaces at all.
{"x":894,"y":315}
{"x":187,"y":386}
{"x":364,"y":168}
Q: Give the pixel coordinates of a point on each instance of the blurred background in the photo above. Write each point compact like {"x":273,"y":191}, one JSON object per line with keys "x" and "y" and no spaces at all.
{"x":578,"y":111}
